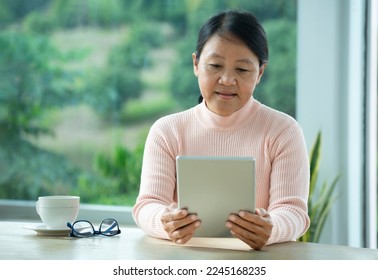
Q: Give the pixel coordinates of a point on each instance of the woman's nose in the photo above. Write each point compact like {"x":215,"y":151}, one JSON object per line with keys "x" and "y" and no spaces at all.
{"x":227,"y":78}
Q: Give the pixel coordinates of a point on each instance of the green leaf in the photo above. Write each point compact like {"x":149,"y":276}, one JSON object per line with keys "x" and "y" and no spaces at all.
{"x":319,"y":202}
{"x":315,"y":156}
{"x":327,"y":201}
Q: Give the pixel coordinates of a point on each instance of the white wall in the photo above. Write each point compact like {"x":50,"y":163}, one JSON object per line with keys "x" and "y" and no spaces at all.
{"x":330,"y":98}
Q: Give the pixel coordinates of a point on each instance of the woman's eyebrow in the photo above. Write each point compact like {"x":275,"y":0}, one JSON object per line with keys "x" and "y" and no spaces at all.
{"x":242,"y":60}
{"x":245,"y":60}
{"x":214,"y":55}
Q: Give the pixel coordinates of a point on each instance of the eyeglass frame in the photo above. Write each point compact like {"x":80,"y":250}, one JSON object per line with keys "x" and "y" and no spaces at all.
{"x":94,"y":232}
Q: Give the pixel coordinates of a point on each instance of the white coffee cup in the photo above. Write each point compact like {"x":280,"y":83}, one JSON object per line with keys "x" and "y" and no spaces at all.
{"x":56,"y":210}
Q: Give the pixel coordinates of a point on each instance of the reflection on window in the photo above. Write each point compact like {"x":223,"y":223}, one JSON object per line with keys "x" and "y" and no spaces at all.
{"x":81,"y":82}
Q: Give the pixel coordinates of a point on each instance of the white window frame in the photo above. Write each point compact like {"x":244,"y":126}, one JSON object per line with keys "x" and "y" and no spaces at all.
{"x":371,"y":124}
{"x":336,"y":94}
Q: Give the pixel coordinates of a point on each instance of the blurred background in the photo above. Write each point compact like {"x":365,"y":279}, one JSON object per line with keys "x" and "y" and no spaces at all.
{"x":82,"y":81}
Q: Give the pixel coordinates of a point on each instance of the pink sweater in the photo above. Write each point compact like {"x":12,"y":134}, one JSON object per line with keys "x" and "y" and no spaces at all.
{"x":273,"y":138}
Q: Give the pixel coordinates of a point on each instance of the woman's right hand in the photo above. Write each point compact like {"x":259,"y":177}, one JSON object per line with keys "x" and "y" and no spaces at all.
{"x":180,"y":225}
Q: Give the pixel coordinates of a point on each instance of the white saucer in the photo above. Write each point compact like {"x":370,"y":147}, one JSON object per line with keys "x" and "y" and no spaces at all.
{"x":43,"y":230}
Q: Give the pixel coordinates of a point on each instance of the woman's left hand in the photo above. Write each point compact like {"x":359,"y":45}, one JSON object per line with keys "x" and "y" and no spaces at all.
{"x":252,"y":228}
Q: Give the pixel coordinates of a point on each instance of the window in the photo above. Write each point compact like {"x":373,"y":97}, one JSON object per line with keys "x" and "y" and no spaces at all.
{"x":81,"y":82}
{"x":336,"y":93}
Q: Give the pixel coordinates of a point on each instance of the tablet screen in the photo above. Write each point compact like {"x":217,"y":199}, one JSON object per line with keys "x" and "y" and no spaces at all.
{"x":215,"y":187}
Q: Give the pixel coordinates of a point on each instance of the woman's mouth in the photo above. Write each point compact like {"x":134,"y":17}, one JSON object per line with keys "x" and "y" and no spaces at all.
{"x":225,"y":95}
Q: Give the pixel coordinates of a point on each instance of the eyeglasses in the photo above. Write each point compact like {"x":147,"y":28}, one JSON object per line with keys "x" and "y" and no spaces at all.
{"x":84,"y":228}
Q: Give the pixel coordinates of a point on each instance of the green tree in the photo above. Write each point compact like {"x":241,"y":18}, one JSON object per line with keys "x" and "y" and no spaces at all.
{"x":184,"y":85}
{"x":115,"y":179}
{"x":120,"y":80}
{"x":277,"y":88}
{"x":15,"y":10}
{"x":31,"y":83}
{"x":73,"y":13}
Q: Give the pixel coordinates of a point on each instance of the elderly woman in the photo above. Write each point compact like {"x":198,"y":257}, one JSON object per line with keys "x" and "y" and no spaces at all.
{"x":229,"y":61}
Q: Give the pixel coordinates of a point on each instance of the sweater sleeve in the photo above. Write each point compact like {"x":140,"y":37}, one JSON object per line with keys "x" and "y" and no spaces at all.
{"x":157,"y":188}
{"x":289,"y":185}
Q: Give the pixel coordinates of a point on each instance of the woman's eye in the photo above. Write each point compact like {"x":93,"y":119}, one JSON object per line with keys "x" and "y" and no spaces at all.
{"x":242,"y":70}
{"x":215,"y":66}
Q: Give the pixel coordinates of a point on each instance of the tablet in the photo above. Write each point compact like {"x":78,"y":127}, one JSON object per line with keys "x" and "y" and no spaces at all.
{"x":215,"y":187}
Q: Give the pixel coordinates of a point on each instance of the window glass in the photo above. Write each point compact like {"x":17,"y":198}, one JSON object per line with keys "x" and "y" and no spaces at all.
{"x":81,"y":82}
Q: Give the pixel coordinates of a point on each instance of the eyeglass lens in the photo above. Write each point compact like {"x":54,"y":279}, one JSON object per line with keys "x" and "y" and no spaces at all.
{"x":109,"y":227}
{"x":83,"y":229}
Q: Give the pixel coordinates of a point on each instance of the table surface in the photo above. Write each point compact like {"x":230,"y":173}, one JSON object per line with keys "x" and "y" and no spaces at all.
{"x":19,"y":243}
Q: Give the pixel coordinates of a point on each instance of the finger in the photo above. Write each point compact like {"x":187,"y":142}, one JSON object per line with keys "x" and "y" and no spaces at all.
{"x":183,"y":234}
{"x":252,"y":224}
{"x":177,"y":224}
{"x":255,"y":240}
{"x":261,"y":217}
{"x":174,"y":215}
{"x":261,"y":212}
{"x":246,"y":230}
{"x":174,"y":225}
{"x":184,"y":239}
{"x":250,"y":242}
{"x":249,"y":230}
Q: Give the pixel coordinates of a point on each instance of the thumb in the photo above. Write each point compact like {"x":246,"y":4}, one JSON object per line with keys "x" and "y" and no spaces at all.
{"x":261,"y":212}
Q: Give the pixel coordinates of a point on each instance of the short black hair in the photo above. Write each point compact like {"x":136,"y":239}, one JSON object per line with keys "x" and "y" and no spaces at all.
{"x":239,"y":23}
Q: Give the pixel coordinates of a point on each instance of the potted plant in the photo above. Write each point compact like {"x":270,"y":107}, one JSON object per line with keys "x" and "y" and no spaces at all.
{"x":320,"y":200}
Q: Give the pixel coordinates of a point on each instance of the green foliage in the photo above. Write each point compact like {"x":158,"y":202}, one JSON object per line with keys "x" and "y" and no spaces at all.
{"x":30,"y":81}
{"x":28,"y":171}
{"x":137,"y":111}
{"x":116,"y":177}
{"x":5,"y":14}
{"x":164,"y":10}
{"x":73,"y":13}
{"x":268,"y":9}
{"x":123,"y":166}
{"x":110,"y":88}
{"x":320,"y":201}
{"x":36,"y":78}
{"x":277,"y":87}
{"x":119,"y":81}
{"x":39,"y":22}
{"x":30,"y":84}
{"x":184,"y":85}
{"x":15,"y":10}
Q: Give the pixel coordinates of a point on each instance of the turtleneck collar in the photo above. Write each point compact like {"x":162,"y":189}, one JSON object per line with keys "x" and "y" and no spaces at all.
{"x":213,"y":121}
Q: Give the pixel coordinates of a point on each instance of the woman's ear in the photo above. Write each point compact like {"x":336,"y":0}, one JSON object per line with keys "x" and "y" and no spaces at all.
{"x":195,"y":64}
{"x":261,"y":72}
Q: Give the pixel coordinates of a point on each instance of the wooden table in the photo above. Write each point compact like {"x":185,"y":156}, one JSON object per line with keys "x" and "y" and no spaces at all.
{"x":18,"y":243}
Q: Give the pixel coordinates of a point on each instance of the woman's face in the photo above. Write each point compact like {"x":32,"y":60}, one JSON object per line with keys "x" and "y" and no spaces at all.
{"x":228,"y":72}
